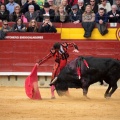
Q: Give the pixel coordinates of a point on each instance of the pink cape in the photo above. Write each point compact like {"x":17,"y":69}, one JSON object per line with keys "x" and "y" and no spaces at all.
{"x":31,"y":85}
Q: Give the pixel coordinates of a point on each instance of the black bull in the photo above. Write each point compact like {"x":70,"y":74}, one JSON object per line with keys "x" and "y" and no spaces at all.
{"x":100,"y":69}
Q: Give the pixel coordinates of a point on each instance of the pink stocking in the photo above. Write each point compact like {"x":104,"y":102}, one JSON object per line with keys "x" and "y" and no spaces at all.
{"x":52,"y":90}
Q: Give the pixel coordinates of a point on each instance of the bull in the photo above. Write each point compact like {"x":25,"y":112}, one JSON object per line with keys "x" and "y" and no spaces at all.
{"x":99,"y":69}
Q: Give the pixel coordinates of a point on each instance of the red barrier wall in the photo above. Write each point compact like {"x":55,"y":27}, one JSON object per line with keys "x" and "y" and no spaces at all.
{"x":18,"y":56}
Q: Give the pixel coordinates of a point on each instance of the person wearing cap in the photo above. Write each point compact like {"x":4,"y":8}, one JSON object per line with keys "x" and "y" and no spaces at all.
{"x":75,"y":15}
{"x":47,"y":26}
{"x":46,"y":11}
{"x":60,"y":53}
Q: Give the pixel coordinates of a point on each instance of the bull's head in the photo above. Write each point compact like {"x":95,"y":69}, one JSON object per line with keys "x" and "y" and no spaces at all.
{"x":60,"y":85}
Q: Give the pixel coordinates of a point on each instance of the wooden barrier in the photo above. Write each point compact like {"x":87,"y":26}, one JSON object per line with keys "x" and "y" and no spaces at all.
{"x":70,"y":31}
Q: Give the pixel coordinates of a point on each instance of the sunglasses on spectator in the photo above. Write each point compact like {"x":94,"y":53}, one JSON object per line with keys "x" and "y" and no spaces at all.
{"x":92,"y":1}
{"x":17,"y":9}
{"x":6,"y":24}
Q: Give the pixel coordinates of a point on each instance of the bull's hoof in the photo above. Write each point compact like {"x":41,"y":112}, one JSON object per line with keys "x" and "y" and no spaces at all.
{"x":107,"y":96}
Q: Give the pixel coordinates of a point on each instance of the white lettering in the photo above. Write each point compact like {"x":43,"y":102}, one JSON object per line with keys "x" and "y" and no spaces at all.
{"x":24,"y":37}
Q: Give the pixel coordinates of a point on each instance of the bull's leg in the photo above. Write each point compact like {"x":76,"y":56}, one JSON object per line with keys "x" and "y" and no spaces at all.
{"x":107,"y":92}
{"x":113,"y":90}
{"x":85,"y":91}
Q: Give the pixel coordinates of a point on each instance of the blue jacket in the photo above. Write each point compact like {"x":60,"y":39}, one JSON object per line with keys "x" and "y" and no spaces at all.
{"x":98,"y":17}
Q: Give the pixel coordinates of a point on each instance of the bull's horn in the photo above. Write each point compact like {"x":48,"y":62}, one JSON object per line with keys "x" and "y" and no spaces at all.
{"x":53,"y":81}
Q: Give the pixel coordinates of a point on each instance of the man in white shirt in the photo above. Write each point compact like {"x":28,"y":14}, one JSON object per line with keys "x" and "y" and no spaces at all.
{"x":106,"y":5}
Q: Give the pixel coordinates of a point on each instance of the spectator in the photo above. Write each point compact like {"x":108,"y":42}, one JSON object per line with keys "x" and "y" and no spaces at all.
{"x":47,"y":26}
{"x":61,"y":15}
{"x":67,"y":7}
{"x":114,"y":15}
{"x":106,"y":5}
{"x":32,"y":26}
{"x":75,"y":15}
{"x":10,"y":6}
{"x":46,"y":11}
{"x":19,"y":26}
{"x":94,"y":6}
{"x":16,"y":1}
{"x":117,"y":2}
{"x":101,"y":19}
{"x":52,"y":6}
{"x":31,"y":14}
{"x":88,"y":21}
{"x":81,"y":5}
{"x":5,"y":26}
{"x":15,"y":14}
{"x":30,"y":2}
{"x":4,"y":13}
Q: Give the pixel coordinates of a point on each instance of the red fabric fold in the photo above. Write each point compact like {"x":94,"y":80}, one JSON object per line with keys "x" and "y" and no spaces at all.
{"x":31,"y":85}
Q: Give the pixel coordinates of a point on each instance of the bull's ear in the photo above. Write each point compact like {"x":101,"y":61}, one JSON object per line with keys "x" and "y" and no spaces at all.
{"x":53,"y":81}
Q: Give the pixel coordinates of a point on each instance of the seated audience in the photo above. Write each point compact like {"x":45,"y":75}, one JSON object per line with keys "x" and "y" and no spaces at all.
{"x":47,"y":26}
{"x":4,"y":13}
{"x":101,"y":20}
{"x":67,"y":7}
{"x":117,"y":2}
{"x":61,"y":15}
{"x":30,"y":2}
{"x":31,"y":14}
{"x":81,"y":5}
{"x":106,"y":5}
{"x":19,"y":26}
{"x":46,"y":11}
{"x":15,"y":14}
{"x":5,"y":26}
{"x":94,"y":6}
{"x":32,"y":27}
{"x":75,"y":15}
{"x":114,"y":15}
{"x":88,"y":21}
{"x":10,"y":6}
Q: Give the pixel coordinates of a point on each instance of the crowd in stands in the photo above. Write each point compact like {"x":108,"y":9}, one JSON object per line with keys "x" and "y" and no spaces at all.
{"x":87,"y":12}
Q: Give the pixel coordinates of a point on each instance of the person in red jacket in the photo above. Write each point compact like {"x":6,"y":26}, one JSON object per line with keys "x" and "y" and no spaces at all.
{"x":60,"y":52}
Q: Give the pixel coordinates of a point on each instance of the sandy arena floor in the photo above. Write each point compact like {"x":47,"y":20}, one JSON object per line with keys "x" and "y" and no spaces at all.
{"x":14,"y":105}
